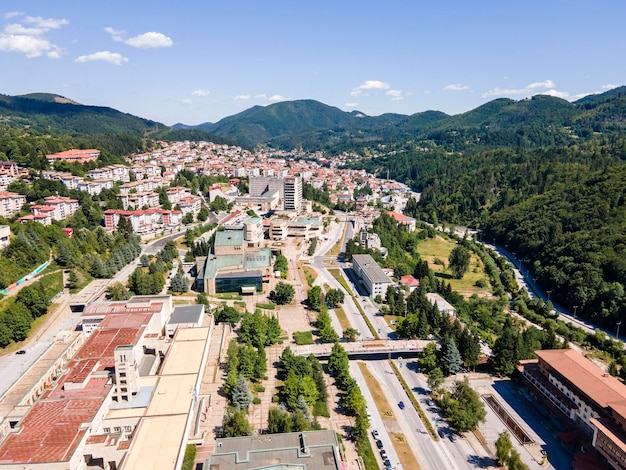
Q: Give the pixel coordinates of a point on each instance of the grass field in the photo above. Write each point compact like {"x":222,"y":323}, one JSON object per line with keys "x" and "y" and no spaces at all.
{"x":439,"y":248}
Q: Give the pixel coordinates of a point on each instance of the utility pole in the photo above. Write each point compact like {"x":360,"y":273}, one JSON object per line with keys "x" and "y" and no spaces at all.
{"x":617,"y":332}
{"x":549,"y":292}
{"x":575,"y":307}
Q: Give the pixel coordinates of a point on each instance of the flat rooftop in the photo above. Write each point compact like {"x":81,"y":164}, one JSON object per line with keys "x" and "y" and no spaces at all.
{"x":371,"y":268}
{"x":321,"y":452}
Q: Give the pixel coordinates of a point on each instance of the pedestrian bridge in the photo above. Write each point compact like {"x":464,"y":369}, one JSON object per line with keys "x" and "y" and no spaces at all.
{"x":372,"y":347}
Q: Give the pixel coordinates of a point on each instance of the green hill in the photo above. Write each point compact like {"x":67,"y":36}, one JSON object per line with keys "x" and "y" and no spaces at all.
{"x":48,"y":113}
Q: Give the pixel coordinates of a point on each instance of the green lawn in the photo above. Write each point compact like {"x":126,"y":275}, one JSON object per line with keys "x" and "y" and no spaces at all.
{"x":440,"y":248}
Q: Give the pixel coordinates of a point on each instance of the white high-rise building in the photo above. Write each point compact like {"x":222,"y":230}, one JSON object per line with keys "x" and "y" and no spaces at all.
{"x":293,"y":193}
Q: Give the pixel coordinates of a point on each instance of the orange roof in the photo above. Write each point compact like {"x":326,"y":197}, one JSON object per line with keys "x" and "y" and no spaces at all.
{"x":593,"y":381}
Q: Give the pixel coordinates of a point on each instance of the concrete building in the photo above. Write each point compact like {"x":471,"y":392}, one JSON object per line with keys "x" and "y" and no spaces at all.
{"x":310,"y":450}
{"x":371,"y":275}
{"x":442,"y":304}
{"x":102,"y":405}
{"x":10,"y":203}
{"x":292,"y":199}
{"x":74,"y":156}
{"x":184,"y":316}
{"x":5,"y":235}
{"x":580,"y":393}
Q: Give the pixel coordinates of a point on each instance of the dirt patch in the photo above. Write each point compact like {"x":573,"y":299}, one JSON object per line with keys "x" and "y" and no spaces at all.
{"x":403,"y":449}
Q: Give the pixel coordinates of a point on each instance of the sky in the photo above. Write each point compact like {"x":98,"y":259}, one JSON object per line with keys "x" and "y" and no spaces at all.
{"x":200,"y":61}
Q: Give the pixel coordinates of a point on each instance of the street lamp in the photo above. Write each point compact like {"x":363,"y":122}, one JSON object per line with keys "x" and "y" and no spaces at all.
{"x":549,"y":292}
{"x":617,"y":332}
{"x":575,"y":307}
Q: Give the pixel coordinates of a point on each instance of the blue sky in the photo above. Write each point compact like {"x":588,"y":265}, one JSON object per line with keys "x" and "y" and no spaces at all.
{"x":199,"y":61}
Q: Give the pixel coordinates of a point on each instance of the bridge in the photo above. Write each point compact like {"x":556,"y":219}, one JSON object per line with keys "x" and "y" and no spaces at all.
{"x":373,"y":347}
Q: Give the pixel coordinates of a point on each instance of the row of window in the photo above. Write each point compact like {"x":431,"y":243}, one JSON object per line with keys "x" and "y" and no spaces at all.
{"x":117,"y":429}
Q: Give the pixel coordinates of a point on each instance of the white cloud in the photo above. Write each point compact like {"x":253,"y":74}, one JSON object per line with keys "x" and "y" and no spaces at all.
{"x":242,"y":97}
{"x":16,"y":28}
{"x":396,"y":95}
{"x":30,"y":46}
{"x":261,"y":96}
{"x":275,"y":98}
{"x":105,"y":56}
{"x":608,"y":87}
{"x":30,"y":41}
{"x":201,"y":93}
{"x":186,"y":101}
{"x":528,"y":90}
{"x":13,"y":14}
{"x":456,"y":87}
{"x":427,"y":92}
{"x":116,"y":35}
{"x":150,"y":40}
{"x":351,"y":105}
{"x":556,"y":93}
{"x":544,"y":84}
{"x":46,"y":23}
{"x":369,"y":85}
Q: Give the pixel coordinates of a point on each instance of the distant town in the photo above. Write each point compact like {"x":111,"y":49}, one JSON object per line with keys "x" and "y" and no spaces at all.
{"x":279,"y":340}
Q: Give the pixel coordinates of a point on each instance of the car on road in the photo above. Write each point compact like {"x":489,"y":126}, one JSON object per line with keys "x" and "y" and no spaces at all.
{"x":452,"y":437}
{"x":441,"y":433}
{"x":379,"y":443}
{"x":401,"y":405}
{"x":21,"y":351}
{"x":387,"y":463}
{"x":383,"y":454}
{"x":375,"y":433}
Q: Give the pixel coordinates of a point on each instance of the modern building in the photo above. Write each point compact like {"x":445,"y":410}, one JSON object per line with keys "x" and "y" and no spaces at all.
{"x":371,"y":275}
{"x":310,"y":450}
{"x":184,"y":316}
{"x":581,"y":394}
{"x":289,"y":189}
{"x":120,"y":396}
{"x":143,"y":222}
{"x":292,"y":199}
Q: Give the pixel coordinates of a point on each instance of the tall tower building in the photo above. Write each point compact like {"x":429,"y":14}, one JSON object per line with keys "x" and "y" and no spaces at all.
{"x":292,"y":193}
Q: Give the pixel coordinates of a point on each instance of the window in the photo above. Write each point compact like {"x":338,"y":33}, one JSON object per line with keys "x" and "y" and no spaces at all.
{"x":122,"y":374}
{"x":128,"y":428}
{"x":123,"y":382}
{"x":106,"y":430}
{"x":117,"y":429}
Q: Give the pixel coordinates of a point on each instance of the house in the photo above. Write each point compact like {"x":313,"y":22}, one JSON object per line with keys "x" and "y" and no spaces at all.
{"x":74,"y":156}
{"x":10,"y":203}
{"x":410,"y":282}
{"x":403,"y":220}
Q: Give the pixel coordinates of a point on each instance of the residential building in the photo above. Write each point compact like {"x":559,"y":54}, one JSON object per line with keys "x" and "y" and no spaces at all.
{"x":410,"y":282}
{"x":74,"y":156}
{"x":10,"y":203}
{"x":140,"y":200}
{"x":5,"y":235}
{"x":143,"y":221}
{"x":580,"y":393}
{"x":111,"y":172}
{"x":403,"y":220}
{"x":371,"y":275}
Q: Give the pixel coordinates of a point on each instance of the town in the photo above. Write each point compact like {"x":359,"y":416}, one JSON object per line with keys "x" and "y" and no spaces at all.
{"x":288,"y":343}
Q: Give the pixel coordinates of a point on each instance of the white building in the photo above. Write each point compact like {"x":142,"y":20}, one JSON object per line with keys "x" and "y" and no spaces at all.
{"x":371,"y":275}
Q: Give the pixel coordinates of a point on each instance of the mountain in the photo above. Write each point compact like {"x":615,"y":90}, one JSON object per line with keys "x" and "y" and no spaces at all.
{"x":49,"y":97}
{"x":540,"y":121}
{"x":294,"y":122}
{"x":48,"y":113}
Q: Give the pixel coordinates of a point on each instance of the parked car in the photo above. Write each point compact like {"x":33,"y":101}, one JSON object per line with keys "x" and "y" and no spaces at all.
{"x":379,"y":443}
{"x":441,"y":433}
{"x":21,"y":351}
{"x":387,"y":463}
{"x":401,"y":405}
{"x":383,"y":454}
{"x":452,"y":437}
{"x":375,"y":433}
